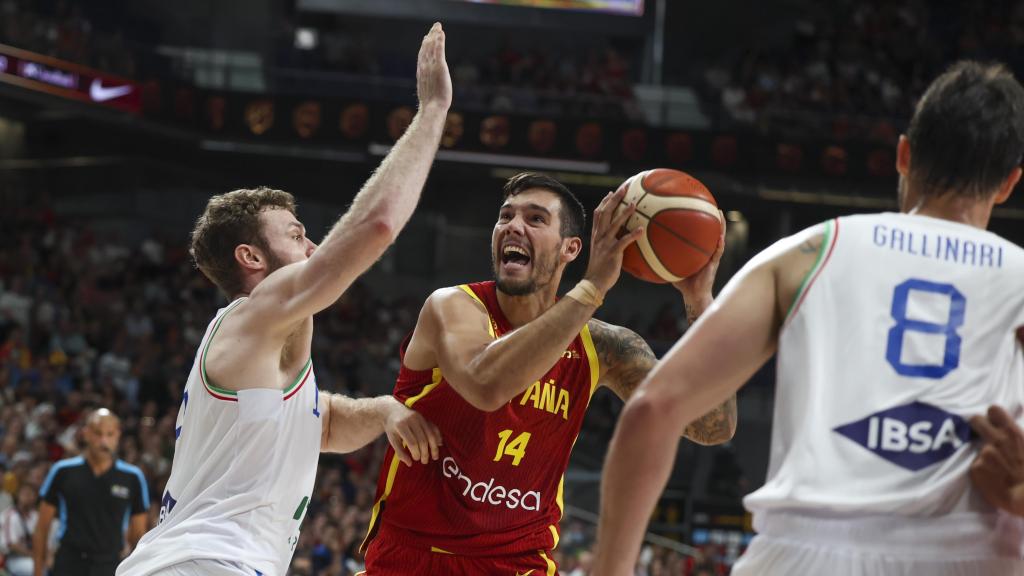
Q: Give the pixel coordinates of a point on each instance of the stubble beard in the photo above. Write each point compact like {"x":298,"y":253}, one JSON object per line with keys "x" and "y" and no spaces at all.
{"x":522,"y":287}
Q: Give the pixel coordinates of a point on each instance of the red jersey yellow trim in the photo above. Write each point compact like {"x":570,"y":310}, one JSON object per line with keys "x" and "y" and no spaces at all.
{"x":490,"y":321}
{"x":435,"y":379}
{"x":595,"y":375}
{"x":595,"y":365}
{"x":552,"y":569}
{"x":440,"y":550}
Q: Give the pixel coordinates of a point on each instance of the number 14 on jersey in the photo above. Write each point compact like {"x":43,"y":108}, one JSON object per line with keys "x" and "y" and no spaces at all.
{"x":516,"y":448}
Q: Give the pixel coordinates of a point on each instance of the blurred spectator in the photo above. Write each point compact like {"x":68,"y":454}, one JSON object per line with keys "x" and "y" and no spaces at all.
{"x":64,"y":30}
{"x":17,"y":524}
{"x":858,"y":62}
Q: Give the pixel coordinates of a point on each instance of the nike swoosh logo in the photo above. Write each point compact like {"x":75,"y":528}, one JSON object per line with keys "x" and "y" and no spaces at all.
{"x":524,"y":573}
{"x":100,"y":93}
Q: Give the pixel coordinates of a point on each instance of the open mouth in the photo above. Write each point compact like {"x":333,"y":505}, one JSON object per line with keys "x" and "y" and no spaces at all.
{"x":514,"y":255}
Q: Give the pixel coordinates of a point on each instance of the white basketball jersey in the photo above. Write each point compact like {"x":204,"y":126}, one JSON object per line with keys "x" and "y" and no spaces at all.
{"x":243,"y":473}
{"x":905,"y":328}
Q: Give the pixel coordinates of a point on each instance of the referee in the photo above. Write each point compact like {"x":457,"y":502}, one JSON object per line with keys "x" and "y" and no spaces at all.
{"x":99,"y":499}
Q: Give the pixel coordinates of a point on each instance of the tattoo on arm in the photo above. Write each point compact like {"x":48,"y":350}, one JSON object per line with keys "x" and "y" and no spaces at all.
{"x":811,"y":246}
{"x":692,"y":313}
{"x":716,"y":426}
{"x":624,"y":356}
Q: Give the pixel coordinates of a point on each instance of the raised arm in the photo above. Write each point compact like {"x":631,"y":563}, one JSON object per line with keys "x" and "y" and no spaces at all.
{"x":378,"y":212}
{"x":626,"y":358}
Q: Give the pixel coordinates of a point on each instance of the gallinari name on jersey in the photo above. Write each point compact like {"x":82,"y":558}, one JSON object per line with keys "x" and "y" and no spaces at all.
{"x":938,"y":246}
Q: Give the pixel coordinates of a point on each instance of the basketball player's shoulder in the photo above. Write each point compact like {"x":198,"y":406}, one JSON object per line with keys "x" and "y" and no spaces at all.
{"x":796,"y":250}
{"x":447,"y":295}
{"x":452,"y":302}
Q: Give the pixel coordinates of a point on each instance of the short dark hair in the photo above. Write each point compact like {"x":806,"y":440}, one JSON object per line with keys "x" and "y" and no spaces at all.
{"x":229,"y":220}
{"x":967,"y":133}
{"x":573,"y":214}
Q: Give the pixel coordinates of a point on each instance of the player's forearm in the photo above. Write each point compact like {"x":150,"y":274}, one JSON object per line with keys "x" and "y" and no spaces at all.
{"x":510,"y":364}
{"x":635,"y":473}
{"x":371,"y":224}
{"x":694,"y":306}
{"x":354,"y":422}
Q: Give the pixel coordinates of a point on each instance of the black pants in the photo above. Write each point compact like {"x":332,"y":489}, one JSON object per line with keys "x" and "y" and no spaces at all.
{"x":76,"y":563}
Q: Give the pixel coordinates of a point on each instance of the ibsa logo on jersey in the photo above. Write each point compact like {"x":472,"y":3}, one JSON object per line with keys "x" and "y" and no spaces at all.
{"x":166,"y":505}
{"x":914,"y":435}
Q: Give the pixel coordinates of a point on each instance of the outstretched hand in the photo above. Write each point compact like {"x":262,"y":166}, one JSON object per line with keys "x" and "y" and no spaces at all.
{"x":606,"y":247}
{"x":696,"y":287}
{"x":433,"y":82}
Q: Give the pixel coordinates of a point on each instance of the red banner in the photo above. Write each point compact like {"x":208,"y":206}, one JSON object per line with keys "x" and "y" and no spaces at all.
{"x":66,"y":79}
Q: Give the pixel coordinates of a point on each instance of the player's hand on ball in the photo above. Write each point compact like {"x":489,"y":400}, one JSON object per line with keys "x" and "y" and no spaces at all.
{"x":606,"y":246}
{"x":433,"y":82}
{"x":411,"y":435}
{"x":998,"y":470}
{"x":696,"y":288}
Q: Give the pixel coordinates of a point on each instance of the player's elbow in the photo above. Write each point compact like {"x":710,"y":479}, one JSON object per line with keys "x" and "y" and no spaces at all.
{"x":484,"y":392}
{"x":485,"y":386}
{"x":721,"y":436}
{"x":379,"y":231}
{"x":730,"y":430}
{"x":645,"y":412}
{"x":486,"y":398}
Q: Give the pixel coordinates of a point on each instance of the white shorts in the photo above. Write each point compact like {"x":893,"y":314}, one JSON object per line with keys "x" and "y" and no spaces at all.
{"x":792,"y":545}
{"x":207,"y":567}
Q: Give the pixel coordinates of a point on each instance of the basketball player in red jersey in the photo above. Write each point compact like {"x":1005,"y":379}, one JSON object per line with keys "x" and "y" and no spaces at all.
{"x":506,"y":370}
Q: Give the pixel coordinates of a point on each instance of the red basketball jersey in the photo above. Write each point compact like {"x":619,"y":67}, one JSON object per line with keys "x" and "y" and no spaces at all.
{"x":497,"y":487}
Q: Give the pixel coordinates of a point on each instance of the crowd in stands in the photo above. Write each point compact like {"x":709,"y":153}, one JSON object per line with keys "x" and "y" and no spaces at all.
{"x":536,"y":80}
{"x":524,"y":77}
{"x":847,"y":69}
{"x":857,"y":68}
{"x":62,"y":29}
{"x":598,"y":84}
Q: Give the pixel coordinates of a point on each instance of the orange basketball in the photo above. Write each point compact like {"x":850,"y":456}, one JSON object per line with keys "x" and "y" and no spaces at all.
{"x":682,"y":225}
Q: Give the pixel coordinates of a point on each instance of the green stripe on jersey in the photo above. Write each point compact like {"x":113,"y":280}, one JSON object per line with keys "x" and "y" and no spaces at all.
{"x":826,"y":240}
{"x":224,"y":391}
{"x":206,"y":350}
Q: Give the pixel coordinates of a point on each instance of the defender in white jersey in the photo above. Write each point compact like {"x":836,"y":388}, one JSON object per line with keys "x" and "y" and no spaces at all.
{"x":252,"y":423}
{"x":891,"y":331}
